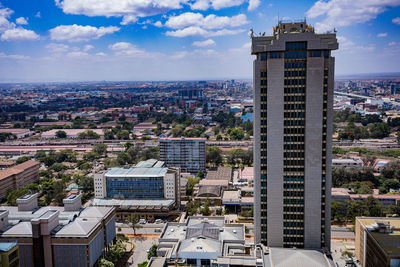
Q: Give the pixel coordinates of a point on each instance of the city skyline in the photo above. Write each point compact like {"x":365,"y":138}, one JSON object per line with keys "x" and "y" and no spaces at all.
{"x":179,"y":40}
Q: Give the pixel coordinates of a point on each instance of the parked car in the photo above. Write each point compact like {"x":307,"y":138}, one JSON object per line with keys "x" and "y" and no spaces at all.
{"x":142,"y":221}
{"x":150,"y":221}
{"x":159,"y":221}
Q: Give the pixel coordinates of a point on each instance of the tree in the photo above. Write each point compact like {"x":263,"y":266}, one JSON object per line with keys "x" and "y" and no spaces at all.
{"x":236,"y":133}
{"x":192,"y":181}
{"x":122,"y":158}
{"x":123,"y":134}
{"x":105,"y":263}
{"x":116,"y":252}
{"x":379,"y":130}
{"x":58,"y":167}
{"x":206,"y":208}
{"x":22,"y":159}
{"x":214,"y":155}
{"x":134,"y":221}
{"x":152,"y":252}
{"x":61,"y":134}
{"x":100,"y":148}
{"x":90,"y":156}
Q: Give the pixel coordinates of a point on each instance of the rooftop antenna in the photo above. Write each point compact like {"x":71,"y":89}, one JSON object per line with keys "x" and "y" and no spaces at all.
{"x":278,"y":17}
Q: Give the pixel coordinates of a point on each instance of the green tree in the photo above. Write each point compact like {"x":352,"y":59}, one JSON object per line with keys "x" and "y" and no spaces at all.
{"x":100,"y":148}
{"x":22,"y":159}
{"x":379,"y":130}
{"x":214,"y":155}
{"x":61,"y":134}
{"x":134,"y":221}
{"x":90,"y":156}
{"x":152,"y":252}
{"x":116,"y":252}
{"x":105,"y":263}
{"x":236,"y":133}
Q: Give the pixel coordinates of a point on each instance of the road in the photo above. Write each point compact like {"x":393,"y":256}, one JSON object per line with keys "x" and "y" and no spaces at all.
{"x":140,"y":252}
{"x":148,"y":228}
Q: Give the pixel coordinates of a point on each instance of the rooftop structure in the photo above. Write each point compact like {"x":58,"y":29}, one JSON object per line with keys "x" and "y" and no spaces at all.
{"x":222,"y":173}
{"x":377,"y":241}
{"x":45,"y":234}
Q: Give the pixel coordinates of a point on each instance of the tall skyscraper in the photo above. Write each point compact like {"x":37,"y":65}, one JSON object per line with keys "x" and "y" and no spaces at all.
{"x":293,"y":91}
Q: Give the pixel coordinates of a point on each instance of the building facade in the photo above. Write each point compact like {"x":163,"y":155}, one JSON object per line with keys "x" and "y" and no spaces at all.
{"x":57,"y":236}
{"x":293,"y":91}
{"x":148,"y":180}
{"x":189,"y":154}
{"x":377,"y":241}
{"x":18,"y":176}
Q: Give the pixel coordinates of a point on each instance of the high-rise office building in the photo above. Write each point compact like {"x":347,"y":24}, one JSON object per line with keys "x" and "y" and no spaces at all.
{"x":293,"y":91}
{"x":189,"y":154}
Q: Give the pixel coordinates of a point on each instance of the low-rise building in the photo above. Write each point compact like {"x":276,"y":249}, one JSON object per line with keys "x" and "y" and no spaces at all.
{"x":9,"y":254}
{"x":347,"y":163}
{"x":18,"y":132}
{"x":18,"y":176}
{"x":377,"y":241}
{"x":234,"y":202}
{"x":57,"y":236}
{"x":148,"y":188}
{"x":71,"y":133}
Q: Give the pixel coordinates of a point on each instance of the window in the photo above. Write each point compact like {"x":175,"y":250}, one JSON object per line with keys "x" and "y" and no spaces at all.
{"x":263,"y":56}
{"x":315,"y":53}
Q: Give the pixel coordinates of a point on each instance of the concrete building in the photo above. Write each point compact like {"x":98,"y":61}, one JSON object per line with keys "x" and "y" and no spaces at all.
{"x":189,"y":154}
{"x":57,"y":236}
{"x":71,"y":133}
{"x":347,"y":163}
{"x":149,"y":179}
{"x":18,"y":176}
{"x":9,"y":254}
{"x":377,"y":241}
{"x":293,"y":93}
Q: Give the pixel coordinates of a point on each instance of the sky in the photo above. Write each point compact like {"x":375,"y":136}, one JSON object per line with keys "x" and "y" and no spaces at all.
{"x":115,"y":40}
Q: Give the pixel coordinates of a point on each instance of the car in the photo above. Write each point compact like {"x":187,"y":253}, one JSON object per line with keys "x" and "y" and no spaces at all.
{"x":150,"y":221}
{"x":142,"y":221}
{"x":159,"y":221}
{"x":157,"y":230}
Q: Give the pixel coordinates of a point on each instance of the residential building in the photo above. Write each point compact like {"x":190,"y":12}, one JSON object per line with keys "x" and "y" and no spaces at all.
{"x":18,"y":176}
{"x":9,"y":254}
{"x":293,"y":93}
{"x":347,"y":163}
{"x":71,"y":133}
{"x":377,"y":241}
{"x":57,"y":236}
{"x":190,"y":94}
{"x":189,"y":154}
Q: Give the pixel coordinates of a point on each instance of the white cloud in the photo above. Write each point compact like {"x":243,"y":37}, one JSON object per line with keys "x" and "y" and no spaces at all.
{"x":194,"y":30}
{"x":57,"y":48}
{"x":383,"y":34}
{"x":340,"y":13}
{"x":253,"y":4}
{"x":209,"y":42}
{"x":5,"y":24}
{"x":200,"y":5}
{"x":21,"y":21}
{"x":88,"y":47}
{"x":349,"y":46}
{"x":77,"y":54}
{"x":396,"y":20}
{"x":219,"y":4}
{"x":209,"y":22}
{"x":118,"y":8}
{"x":38,"y":15}
{"x":126,"y":49}
{"x":102,"y":54}
{"x":158,"y":24}
{"x":392,"y":44}
{"x":2,"y":55}
{"x":78,"y":33}
{"x":19,"y":34}
{"x":128,"y":19}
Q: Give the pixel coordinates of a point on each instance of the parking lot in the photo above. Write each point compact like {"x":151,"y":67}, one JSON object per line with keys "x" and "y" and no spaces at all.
{"x":140,"y":252}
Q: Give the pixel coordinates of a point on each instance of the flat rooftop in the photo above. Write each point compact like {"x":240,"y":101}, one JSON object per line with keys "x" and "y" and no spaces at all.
{"x":389,"y":242}
{"x":136,"y":172}
{"x":111,"y":202}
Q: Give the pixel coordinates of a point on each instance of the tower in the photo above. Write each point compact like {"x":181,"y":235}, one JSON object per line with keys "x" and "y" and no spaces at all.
{"x":293,"y":95}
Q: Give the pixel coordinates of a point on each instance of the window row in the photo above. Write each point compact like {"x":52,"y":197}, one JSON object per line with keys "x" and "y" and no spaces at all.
{"x":295,"y":73}
{"x":295,"y":81}
{"x":299,"y":138}
{"x":294,"y":169}
{"x":293,"y":130}
{"x":293,"y":122}
{"x":295,"y":65}
{"x":296,"y":45}
{"x":294,"y":90}
{"x":293,"y":146}
{"x":294,"y":98}
{"x":263,"y":82}
{"x":295,"y":54}
{"x":294,"y":106}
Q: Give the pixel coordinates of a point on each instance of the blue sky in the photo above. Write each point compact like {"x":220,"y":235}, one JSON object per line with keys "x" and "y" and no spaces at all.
{"x":77,"y":40}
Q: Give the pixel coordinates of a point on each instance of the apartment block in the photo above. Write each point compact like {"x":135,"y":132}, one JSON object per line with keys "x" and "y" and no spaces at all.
{"x":18,"y":176}
{"x":293,"y":99}
{"x":189,"y":154}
